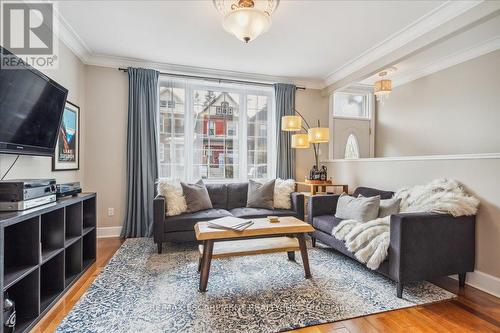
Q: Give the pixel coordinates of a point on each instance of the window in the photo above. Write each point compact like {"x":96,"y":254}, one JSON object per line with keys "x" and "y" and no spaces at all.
{"x":172,"y":105}
{"x":211,"y":127}
{"x":350,"y":105}
{"x":216,"y":131}
{"x":351,"y":148}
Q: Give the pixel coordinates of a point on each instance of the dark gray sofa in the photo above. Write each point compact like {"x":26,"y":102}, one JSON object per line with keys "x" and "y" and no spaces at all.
{"x":422,"y":245}
{"x":227,"y":200}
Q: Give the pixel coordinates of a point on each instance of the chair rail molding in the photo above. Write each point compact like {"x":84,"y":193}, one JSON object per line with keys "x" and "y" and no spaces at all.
{"x":419,"y":158}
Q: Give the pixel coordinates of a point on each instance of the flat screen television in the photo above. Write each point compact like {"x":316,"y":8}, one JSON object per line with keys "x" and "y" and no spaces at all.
{"x":31,"y":109}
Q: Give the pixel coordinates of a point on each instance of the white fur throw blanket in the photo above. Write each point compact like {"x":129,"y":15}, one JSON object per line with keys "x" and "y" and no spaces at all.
{"x":369,"y":241}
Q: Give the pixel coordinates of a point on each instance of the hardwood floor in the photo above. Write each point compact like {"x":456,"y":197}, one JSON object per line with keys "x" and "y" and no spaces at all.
{"x":106,"y":247}
{"x":472,"y":311}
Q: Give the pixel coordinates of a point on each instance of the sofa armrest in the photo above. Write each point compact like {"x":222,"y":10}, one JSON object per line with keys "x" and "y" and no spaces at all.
{"x":158,"y":218}
{"x":298,"y":205}
{"x":428,"y":245}
{"x":321,"y":205}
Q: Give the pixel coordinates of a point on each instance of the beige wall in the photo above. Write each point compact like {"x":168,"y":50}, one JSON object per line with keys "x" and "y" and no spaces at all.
{"x":106,"y":119}
{"x":70,"y":74}
{"x":453,"y":111}
{"x":480,"y":176}
{"x":313,"y":106}
{"x":106,"y":97}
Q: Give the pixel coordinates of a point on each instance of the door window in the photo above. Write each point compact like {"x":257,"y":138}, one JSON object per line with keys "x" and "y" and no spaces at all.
{"x":351,"y":148}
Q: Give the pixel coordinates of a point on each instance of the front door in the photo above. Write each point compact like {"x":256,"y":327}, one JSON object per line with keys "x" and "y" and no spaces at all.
{"x":352,"y":123}
{"x":351,"y":138}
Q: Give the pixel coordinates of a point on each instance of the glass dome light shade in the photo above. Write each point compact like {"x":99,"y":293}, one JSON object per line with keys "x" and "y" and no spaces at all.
{"x":246,"y":23}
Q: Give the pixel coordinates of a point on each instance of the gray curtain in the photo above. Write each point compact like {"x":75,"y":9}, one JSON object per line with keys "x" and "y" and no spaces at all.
{"x":142,"y":162}
{"x":285,"y":106}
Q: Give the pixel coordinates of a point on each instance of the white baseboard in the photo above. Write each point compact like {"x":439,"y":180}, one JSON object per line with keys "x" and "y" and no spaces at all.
{"x":488,"y":283}
{"x":107,"y":232}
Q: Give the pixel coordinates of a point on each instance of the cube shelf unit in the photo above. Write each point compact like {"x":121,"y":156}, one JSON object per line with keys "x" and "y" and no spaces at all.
{"x":43,"y":251}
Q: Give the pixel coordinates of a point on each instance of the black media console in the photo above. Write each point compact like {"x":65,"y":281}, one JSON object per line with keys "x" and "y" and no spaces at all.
{"x":43,"y":251}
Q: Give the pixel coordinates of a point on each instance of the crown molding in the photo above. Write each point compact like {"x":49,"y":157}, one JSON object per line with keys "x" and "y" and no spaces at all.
{"x":439,"y":16}
{"x":69,"y":37}
{"x":117,"y":62}
{"x":75,"y":43}
{"x":464,"y":55}
{"x":427,"y":23}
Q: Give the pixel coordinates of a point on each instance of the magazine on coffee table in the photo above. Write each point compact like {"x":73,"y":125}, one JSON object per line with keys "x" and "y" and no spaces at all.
{"x":230,"y":223}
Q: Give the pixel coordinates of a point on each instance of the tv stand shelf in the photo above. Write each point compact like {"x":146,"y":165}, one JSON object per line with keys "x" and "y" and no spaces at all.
{"x":43,"y":252}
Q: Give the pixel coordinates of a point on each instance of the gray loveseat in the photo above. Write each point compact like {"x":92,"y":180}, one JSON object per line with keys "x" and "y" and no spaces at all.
{"x":422,"y":245}
{"x":227,"y":200}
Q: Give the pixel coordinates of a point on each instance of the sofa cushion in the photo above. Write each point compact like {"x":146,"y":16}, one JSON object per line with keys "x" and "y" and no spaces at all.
{"x":326,"y":223}
{"x":247,"y":212}
{"x":360,"y":208}
{"x":282,"y":193}
{"x":218,"y":195}
{"x":261,"y":195}
{"x":186,"y":222}
{"x":197,"y":197}
{"x":389,"y":207}
{"x":175,"y":202}
{"x":237,"y":195}
{"x":371,"y":192}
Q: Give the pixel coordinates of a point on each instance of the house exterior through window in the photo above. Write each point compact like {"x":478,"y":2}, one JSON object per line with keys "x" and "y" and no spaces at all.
{"x":217,"y":132}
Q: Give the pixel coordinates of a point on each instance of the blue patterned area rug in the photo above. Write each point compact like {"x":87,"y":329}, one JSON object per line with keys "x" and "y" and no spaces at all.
{"x":142,"y":291}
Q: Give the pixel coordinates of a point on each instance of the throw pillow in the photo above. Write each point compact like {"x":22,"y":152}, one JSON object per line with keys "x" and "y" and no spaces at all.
{"x":175,"y":203}
{"x":260,"y":195}
{"x":282,"y":191}
{"x":197,"y":197}
{"x":360,"y":209}
{"x":389,"y":207}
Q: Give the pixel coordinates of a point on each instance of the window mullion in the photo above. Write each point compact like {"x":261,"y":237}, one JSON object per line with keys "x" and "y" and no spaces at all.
{"x":188,"y":132}
{"x":242,"y":137}
{"x":272,"y":128}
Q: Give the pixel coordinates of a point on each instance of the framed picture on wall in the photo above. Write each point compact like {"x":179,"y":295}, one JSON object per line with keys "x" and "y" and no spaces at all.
{"x":67,"y":155}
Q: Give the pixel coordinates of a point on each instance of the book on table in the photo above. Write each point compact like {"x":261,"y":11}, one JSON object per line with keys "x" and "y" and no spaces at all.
{"x":230,"y":223}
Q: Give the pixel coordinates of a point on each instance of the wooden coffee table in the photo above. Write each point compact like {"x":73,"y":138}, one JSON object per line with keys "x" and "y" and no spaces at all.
{"x":262,"y":237}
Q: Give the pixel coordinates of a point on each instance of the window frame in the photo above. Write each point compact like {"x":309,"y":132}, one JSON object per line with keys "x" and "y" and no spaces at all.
{"x":367,"y":109}
{"x":190,"y":86}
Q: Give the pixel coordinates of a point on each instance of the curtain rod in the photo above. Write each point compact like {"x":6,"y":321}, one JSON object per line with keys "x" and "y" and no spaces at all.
{"x":215,"y":79}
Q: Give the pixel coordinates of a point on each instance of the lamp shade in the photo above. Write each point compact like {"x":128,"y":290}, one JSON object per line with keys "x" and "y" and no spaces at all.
{"x":300,"y":141}
{"x":247,"y":23}
{"x":383,"y":87}
{"x":291,"y":123}
{"x":318,"y":134}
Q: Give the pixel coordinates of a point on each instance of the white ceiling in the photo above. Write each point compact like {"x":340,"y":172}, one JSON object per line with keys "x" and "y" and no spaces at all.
{"x":308,"y":39}
{"x":467,"y":44}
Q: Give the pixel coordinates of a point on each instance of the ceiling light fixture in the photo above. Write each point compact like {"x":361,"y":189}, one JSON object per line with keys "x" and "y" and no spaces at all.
{"x":246,"y":19}
{"x":383,"y":87}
